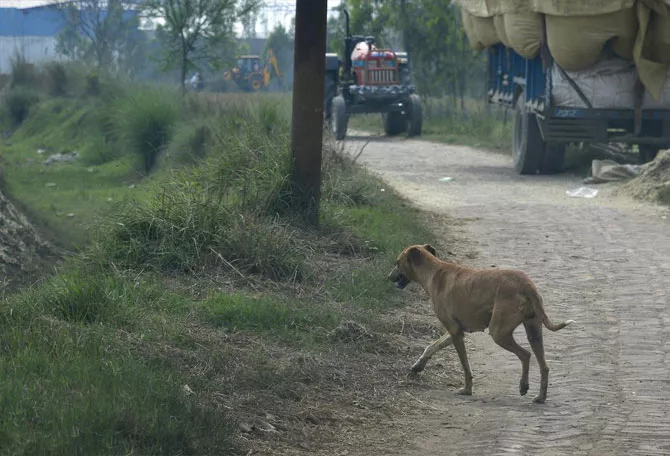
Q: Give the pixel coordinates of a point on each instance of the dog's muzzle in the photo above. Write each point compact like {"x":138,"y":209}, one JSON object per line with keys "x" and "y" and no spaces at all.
{"x":398,"y":278}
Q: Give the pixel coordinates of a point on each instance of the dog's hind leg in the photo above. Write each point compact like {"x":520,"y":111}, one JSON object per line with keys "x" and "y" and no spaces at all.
{"x":507,"y":342}
{"x":501,"y":329}
{"x":430,"y":350}
{"x":534,"y":333}
{"x":459,"y":345}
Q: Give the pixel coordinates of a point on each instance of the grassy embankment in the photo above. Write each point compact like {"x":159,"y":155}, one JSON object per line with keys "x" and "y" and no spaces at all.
{"x":188,"y":271}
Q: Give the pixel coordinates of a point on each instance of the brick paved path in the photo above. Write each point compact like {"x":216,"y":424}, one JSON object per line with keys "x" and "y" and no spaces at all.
{"x":603,"y":262}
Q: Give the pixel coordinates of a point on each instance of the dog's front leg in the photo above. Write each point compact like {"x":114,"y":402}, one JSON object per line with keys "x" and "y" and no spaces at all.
{"x":430,"y":350}
{"x":459,"y":344}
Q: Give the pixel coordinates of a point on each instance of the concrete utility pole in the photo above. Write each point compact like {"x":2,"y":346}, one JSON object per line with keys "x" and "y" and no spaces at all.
{"x":308,"y":86}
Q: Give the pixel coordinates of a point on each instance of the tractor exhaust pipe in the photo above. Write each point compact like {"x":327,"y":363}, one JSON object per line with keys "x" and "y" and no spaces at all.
{"x":346,"y":22}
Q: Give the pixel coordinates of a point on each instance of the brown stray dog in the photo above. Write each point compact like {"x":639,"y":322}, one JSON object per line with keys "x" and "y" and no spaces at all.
{"x":469,"y":300}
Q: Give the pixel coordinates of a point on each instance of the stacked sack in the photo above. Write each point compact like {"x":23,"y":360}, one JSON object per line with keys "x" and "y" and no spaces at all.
{"x":653,"y":58}
{"x":595,"y":42}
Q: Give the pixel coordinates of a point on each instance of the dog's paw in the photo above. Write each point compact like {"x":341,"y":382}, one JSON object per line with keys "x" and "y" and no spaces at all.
{"x":539,"y":399}
{"x":418,"y":367}
{"x":523,"y":388}
{"x":464,"y":392}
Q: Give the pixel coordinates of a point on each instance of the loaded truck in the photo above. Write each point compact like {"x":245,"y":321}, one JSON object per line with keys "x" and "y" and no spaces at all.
{"x":575,"y":72}
{"x":370,"y":80}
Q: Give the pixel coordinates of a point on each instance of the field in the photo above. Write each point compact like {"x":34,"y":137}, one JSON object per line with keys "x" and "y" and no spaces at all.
{"x":188,"y":312}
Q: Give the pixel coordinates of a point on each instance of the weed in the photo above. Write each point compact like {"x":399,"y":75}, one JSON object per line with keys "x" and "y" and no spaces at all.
{"x":92,"y":84}
{"x":190,"y":143}
{"x":188,"y":228}
{"x":145,"y":119}
{"x":18,"y":104}
{"x":23,"y":72}
{"x":57,"y":79}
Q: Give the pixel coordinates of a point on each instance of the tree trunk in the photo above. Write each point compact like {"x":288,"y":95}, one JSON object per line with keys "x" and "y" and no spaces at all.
{"x":307,"y":122}
{"x":183,"y":67}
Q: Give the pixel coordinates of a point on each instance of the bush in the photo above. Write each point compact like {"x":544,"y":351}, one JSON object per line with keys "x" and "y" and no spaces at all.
{"x":19,"y":102}
{"x":23,"y":73}
{"x":189,"y":227}
{"x":56,"y":79}
{"x":92,"y":84}
{"x":189,"y":143}
{"x":145,"y":119}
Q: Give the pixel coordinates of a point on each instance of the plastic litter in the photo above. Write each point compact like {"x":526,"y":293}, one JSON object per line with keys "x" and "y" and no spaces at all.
{"x":582,"y":192}
{"x":446,"y":179}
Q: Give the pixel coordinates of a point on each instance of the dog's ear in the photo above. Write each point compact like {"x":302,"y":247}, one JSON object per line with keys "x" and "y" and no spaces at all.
{"x":414,"y":256}
{"x":431,"y":249}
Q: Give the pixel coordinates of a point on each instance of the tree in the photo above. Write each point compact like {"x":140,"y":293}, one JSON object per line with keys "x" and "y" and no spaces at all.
{"x":281,"y":43}
{"x":195,"y":31}
{"x":336,"y":30}
{"x":98,"y":31}
{"x":249,"y":25}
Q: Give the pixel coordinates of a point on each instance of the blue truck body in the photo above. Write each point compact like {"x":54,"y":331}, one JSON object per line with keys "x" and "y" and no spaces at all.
{"x":525,"y":85}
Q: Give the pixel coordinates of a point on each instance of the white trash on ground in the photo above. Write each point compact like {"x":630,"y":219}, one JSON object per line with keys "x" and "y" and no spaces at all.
{"x":582,"y":192}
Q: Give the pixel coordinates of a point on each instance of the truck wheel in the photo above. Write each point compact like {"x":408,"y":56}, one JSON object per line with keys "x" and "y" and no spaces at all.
{"x":415,"y":115}
{"x":340,"y":118}
{"x":554,"y":156}
{"x":394,"y":123}
{"x":527,"y":144}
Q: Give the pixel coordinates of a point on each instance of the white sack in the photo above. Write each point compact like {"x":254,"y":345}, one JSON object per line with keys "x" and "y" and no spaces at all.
{"x":648,"y":101}
{"x":608,"y":84}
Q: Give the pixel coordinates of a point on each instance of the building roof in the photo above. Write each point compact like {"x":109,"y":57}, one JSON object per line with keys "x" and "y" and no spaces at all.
{"x":41,"y":20}
{"x":46,"y":19}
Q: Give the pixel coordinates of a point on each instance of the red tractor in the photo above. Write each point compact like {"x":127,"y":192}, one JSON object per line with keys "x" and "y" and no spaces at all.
{"x":370,"y":80}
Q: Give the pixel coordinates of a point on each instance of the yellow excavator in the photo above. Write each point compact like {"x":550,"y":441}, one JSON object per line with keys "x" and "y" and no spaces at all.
{"x":251,"y":75}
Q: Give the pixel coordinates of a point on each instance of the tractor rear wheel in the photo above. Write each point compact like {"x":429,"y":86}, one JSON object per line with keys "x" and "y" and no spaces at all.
{"x":415,"y":115}
{"x":394,"y":122}
{"x":340,"y":118}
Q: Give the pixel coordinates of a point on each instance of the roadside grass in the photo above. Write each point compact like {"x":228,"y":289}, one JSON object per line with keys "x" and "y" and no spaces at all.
{"x":196,"y":304}
{"x":444,"y":122}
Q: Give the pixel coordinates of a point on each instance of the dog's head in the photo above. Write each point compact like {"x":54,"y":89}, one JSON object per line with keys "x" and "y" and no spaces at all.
{"x":409,"y":259}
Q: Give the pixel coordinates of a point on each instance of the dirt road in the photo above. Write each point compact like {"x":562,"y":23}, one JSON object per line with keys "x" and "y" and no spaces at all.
{"x":603,"y":262}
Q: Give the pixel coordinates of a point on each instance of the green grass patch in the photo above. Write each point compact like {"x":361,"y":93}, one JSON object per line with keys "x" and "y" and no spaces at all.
{"x":74,"y":390}
{"x":267,"y":313}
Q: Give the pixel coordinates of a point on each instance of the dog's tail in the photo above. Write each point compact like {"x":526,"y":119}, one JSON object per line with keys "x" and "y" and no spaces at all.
{"x":538,"y":308}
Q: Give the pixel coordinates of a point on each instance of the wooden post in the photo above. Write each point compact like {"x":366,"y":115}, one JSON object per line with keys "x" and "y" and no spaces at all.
{"x":309,"y":70}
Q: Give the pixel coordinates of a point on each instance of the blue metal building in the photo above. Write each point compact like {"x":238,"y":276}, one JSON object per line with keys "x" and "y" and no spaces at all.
{"x":31,"y":31}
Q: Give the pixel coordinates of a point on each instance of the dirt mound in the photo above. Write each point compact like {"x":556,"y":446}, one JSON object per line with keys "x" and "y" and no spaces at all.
{"x":21,"y":247}
{"x":653,"y":182}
